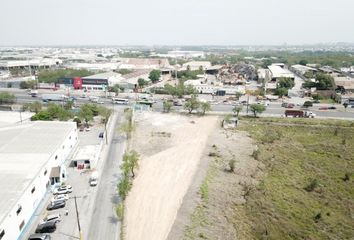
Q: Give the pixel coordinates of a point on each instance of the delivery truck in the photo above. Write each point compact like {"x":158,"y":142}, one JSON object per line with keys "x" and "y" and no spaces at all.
{"x":299,"y":113}
{"x":54,"y":98}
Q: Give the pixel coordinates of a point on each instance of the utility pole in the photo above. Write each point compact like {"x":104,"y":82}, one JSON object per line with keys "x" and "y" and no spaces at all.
{"x":78,"y":219}
{"x":248,"y":102}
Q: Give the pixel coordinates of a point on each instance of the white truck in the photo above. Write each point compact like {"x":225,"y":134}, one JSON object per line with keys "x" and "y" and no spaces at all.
{"x":54,"y":97}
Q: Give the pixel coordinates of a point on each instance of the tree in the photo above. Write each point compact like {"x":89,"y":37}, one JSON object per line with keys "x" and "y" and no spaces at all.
{"x":257,"y":108}
{"x":127,"y":126}
{"x":41,"y":116}
{"x":237,"y":110}
{"x":345,"y":105}
{"x":115,"y":88}
{"x":192,"y":104}
{"x":28,"y":84}
{"x":68,"y":105}
{"x":324,"y":82}
{"x":130,"y":163}
{"x":35,"y":107}
{"x":167,"y":106}
{"x":303,"y":62}
{"x":266,"y":63}
{"x":124,"y":186}
{"x":86,"y":114}
{"x":142,"y":82}
{"x":58,"y":112}
{"x":7,"y":98}
{"x":205,"y":106}
{"x":238,"y":95}
{"x":51,"y":76}
{"x":155,"y":75}
{"x":286,"y":83}
{"x":281,"y":92}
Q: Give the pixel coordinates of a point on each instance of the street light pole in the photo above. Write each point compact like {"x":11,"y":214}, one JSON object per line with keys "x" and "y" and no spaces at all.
{"x":78,"y":219}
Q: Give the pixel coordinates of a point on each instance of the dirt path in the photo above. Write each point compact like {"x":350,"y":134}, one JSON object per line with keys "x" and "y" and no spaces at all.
{"x":171,"y":147}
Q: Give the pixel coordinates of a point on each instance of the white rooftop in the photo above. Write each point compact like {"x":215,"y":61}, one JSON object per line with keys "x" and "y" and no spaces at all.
{"x":278,"y":72}
{"x":24,"y":149}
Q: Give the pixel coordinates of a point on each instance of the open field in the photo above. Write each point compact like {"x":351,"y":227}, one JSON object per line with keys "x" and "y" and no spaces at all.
{"x":298,"y":184}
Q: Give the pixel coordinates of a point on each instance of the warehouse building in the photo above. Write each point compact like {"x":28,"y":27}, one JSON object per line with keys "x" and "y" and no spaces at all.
{"x":31,"y":162}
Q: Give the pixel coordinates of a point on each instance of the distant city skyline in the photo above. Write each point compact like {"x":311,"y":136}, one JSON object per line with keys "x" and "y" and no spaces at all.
{"x":176,"y":23}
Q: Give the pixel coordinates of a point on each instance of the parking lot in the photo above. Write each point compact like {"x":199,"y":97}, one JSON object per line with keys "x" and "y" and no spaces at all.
{"x":85,"y":195}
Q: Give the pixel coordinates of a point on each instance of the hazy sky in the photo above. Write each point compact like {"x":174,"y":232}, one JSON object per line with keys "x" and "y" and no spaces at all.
{"x":177,"y":22}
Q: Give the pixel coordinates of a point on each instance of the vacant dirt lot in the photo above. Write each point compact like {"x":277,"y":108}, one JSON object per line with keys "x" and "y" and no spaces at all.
{"x":208,"y":213}
{"x":171,"y":147}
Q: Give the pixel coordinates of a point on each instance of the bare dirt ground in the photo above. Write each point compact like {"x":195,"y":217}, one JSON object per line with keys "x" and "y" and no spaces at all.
{"x":171,"y":147}
{"x":208,"y":210}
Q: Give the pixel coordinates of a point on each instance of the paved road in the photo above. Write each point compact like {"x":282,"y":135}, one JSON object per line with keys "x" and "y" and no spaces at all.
{"x":104,"y":223}
{"x":275,"y":109}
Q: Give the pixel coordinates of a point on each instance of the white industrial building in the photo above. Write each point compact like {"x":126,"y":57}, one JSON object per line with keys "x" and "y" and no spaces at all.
{"x":31,"y":161}
{"x":33,"y":63}
{"x":276,"y":72}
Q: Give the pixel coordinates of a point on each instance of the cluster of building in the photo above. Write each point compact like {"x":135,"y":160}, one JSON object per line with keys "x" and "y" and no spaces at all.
{"x":31,"y":164}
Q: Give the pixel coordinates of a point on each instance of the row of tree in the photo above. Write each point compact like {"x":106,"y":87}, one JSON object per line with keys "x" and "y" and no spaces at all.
{"x":322,"y":82}
{"x":65,"y":112}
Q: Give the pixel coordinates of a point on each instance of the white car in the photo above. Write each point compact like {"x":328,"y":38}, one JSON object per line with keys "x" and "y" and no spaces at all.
{"x":93,"y":182}
{"x":51,"y":218}
{"x":63,"y":190}
{"x":60,"y":197}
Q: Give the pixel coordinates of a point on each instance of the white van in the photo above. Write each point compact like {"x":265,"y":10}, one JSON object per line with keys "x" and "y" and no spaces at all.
{"x":94,"y":179}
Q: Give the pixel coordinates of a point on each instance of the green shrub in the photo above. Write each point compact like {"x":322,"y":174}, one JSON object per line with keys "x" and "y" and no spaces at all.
{"x":312,"y":186}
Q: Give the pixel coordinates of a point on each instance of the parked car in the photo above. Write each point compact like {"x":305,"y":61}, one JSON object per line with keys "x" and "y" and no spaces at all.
{"x":101,"y":135}
{"x":56,"y":205}
{"x":332,"y":107}
{"x":63,"y":190}
{"x":290,"y":105}
{"x":52,"y":218}
{"x":39,"y":237}
{"x":47,"y":227}
{"x":60,"y":197}
{"x":352,"y":106}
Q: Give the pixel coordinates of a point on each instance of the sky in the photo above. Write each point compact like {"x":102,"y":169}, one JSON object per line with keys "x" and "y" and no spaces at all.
{"x":175,"y":22}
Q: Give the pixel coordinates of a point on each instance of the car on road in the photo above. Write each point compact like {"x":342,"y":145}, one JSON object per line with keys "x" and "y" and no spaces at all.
{"x":332,"y":107}
{"x":39,"y":237}
{"x":56,"y":205}
{"x":177,"y":102}
{"x":52,"y":218}
{"x":65,"y":189}
{"x":323,"y":108}
{"x":47,"y":227}
{"x":60,"y":197}
{"x":352,"y":106}
{"x":101,"y":135}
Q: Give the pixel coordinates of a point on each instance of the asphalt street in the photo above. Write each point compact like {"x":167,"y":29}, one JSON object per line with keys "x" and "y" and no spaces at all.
{"x":274,"y":108}
{"x":104,"y":223}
